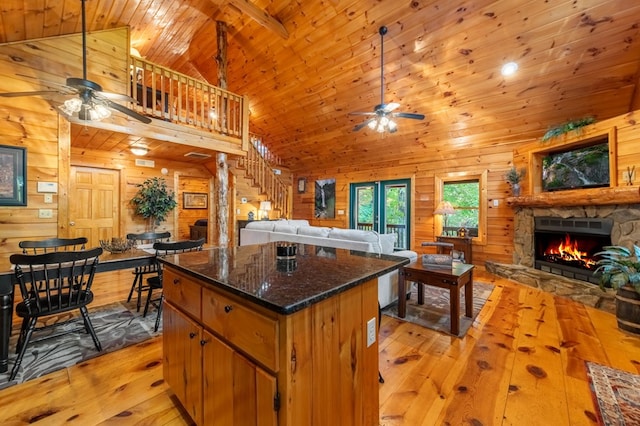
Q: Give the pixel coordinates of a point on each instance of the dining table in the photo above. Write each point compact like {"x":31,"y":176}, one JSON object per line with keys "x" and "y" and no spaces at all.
{"x":108,"y":262}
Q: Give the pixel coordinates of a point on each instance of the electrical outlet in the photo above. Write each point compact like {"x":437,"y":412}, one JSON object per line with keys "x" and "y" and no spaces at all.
{"x":371,"y":332}
{"x":45,"y":213}
{"x":495,"y":203}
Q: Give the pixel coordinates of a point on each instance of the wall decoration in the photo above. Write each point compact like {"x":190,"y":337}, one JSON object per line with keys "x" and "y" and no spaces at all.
{"x":13,"y":176}
{"x":195,"y":200}
{"x":302,"y":185}
{"x":325,"y":199}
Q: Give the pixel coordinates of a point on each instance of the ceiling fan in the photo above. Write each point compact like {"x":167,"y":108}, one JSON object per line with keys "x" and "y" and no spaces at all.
{"x":91,"y":103}
{"x":383,"y":114}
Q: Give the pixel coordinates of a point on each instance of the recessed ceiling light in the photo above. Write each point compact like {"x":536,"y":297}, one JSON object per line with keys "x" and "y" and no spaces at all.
{"x":509,"y":69}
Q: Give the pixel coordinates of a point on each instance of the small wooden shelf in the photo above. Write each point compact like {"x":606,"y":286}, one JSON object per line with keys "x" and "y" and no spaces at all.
{"x":579,"y":197}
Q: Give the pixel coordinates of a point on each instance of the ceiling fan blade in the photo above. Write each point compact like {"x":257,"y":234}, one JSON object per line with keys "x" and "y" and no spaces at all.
{"x":34,"y":93}
{"x":362,"y":125}
{"x":131,"y":113}
{"x":408,"y":115}
{"x":362,"y":113}
{"x":117,"y":97}
{"x":389,"y":107}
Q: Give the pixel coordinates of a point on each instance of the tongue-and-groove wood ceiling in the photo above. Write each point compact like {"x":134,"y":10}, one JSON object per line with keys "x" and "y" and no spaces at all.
{"x":306,"y":64}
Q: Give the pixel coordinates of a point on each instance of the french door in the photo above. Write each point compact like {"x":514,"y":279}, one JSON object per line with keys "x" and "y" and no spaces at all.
{"x":384,"y":207}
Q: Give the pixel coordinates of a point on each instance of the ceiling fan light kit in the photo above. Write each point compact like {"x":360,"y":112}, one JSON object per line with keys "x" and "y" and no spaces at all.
{"x":383,"y":115}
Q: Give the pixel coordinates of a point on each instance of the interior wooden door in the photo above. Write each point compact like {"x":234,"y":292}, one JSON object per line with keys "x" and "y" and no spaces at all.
{"x":94,"y":204}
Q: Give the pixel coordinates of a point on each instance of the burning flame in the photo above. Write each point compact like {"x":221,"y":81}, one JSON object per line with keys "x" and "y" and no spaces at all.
{"x":568,"y":251}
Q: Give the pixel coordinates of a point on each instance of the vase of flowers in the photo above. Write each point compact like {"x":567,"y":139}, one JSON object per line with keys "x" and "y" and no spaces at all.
{"x":513,"y":177}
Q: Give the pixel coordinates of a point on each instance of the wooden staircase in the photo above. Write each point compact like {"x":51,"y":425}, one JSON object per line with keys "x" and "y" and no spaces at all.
{"x":258,"y":167}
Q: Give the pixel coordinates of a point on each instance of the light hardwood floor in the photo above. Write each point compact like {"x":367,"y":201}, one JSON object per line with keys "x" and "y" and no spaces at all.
{"x":521,"y":363}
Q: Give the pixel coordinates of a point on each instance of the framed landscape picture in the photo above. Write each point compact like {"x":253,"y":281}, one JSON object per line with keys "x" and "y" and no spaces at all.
{"x":195,"y":200}
{"x":13,"y":176}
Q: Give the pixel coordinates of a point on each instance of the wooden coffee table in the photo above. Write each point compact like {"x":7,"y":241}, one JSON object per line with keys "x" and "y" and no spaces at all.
{"x":454,"y":279}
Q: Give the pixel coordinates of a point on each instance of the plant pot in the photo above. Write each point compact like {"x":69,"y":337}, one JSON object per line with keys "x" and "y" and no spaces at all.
{"x":515,"y":189}
{"x":628,"y":309}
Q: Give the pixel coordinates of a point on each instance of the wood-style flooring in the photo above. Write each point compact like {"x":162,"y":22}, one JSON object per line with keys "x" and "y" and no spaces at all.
{"x":521,"y":363}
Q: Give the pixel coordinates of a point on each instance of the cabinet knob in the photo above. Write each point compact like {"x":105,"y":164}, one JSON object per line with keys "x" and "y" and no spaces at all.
{"x":176,"y":281}
{"x":192,"y":335}
{"x":228,"y":308}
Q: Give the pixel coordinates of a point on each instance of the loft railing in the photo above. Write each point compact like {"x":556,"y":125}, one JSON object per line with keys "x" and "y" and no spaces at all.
{"x":168,"y":95}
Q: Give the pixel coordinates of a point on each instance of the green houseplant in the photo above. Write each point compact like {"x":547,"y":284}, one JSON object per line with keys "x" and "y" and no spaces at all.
{"x":620,"y":269}
{"x":513,"y":177}
{"x":154,"y":201}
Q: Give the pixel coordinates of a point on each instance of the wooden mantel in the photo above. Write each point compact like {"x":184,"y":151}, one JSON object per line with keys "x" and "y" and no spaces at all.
{"x":579,"y":197}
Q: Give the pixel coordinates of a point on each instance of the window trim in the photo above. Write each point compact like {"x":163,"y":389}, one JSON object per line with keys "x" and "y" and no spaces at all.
{"x":481,"y":177}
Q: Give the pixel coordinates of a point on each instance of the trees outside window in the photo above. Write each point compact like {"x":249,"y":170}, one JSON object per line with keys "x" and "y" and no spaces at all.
{"x":467,"y":193}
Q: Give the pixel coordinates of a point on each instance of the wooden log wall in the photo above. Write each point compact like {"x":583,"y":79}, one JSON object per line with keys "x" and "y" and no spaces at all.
{"x":495,"y":156}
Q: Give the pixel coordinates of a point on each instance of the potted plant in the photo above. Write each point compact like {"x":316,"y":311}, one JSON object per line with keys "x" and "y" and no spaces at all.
{"x":513,"y":177}
{"x":154,"y":201}
{"x":620,"y":269}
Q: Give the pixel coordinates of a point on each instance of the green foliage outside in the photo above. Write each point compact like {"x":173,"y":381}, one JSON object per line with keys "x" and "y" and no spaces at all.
{"x":395,"y":205}
{"x":465,"y":198}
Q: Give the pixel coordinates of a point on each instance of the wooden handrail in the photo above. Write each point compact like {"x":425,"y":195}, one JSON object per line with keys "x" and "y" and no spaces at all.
{"x":168,"y":95}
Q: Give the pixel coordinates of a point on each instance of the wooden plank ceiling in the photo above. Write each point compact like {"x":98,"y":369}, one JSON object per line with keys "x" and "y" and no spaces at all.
{"x":305,"y":65}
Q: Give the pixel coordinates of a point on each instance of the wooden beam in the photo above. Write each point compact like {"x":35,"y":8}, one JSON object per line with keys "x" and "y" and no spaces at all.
{"x":579,"y":197}
{"x":261,"y":17}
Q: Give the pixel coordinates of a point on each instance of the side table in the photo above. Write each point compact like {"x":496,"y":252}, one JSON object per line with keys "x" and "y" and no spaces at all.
{"x":454,"y":279}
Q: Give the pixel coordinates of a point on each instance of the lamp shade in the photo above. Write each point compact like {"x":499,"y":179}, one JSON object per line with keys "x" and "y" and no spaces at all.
{"x":265,"y":205}
{"x":444,"y":207}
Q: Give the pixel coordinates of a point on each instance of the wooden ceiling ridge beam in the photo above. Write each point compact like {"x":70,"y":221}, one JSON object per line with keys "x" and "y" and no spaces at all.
{"x":262,"y":17}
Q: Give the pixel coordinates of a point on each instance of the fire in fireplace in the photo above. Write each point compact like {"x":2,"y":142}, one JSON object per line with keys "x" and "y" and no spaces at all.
{"x":567,"y":247}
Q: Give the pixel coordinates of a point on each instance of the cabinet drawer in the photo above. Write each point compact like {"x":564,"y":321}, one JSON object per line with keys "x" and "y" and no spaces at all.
{"x":252,"y":332}
{"x":182,"y":291}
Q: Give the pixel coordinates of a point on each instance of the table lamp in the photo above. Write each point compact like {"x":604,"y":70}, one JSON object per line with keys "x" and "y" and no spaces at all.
{"x":445,"y":209}
{"x":265,"y":206}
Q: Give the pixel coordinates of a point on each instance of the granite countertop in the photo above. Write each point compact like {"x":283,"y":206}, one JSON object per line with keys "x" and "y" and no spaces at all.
{"x":284,"y":285}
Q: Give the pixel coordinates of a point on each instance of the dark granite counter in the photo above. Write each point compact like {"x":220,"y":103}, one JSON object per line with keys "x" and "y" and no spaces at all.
{"x":284,"y":286}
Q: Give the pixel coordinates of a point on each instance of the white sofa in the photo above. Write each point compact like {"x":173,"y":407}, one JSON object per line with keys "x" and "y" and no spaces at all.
{"x":299,"y":231}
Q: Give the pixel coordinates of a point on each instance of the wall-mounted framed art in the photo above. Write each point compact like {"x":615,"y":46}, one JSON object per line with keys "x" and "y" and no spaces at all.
{"x":195,"y":200}
{"x":13,"y":176}
{"x":302,"y":185}
{"x":325,"y":199}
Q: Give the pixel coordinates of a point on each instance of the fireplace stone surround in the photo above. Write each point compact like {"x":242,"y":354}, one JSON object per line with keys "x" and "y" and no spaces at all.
{"x":625,"y":232}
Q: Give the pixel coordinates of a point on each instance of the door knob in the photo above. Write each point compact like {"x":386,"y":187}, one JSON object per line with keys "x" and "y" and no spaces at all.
{"x":72,"y":224}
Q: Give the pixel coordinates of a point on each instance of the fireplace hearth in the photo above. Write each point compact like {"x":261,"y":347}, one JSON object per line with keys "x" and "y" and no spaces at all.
{"x":567,"y":246}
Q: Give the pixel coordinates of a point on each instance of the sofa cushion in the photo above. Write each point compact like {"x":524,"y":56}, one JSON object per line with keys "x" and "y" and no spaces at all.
{"x":285,"y":228}
{"x":298,"y":222}
{"x":371,"y":237}
{"x":314,"y":231}
{"x":388,"y":242}
{"x":263,"y":225}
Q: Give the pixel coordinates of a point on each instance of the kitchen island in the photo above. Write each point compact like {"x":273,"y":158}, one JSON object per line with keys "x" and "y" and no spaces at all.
{"x":252,"y":339}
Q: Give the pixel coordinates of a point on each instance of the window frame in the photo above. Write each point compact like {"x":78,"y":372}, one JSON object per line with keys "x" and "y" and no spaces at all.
{"x":481,"y":177}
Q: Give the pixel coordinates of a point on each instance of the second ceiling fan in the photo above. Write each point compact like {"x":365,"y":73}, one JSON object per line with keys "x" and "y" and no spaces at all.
{"x":383,"y":114}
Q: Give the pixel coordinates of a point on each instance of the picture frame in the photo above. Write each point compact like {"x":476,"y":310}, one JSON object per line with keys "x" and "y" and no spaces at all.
{"x":195,"y":200}
{"x":13,"y":176}
{"x":302,"y":185}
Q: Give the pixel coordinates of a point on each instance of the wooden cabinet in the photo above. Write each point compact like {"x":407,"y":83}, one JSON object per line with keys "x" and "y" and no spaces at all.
{"x":216,"y":384}
{"x":233,"y":362}
{"x":463,"y":244}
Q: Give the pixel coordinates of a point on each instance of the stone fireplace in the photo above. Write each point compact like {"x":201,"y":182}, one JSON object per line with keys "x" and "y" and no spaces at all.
{"x":624,"y":223}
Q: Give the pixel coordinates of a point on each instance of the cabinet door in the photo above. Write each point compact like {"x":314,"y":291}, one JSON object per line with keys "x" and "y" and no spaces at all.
{"x":236,"y":391}
{"x":182,"y":355}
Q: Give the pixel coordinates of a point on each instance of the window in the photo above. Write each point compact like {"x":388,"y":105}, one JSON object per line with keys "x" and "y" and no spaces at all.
{"x":467,"y":193}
